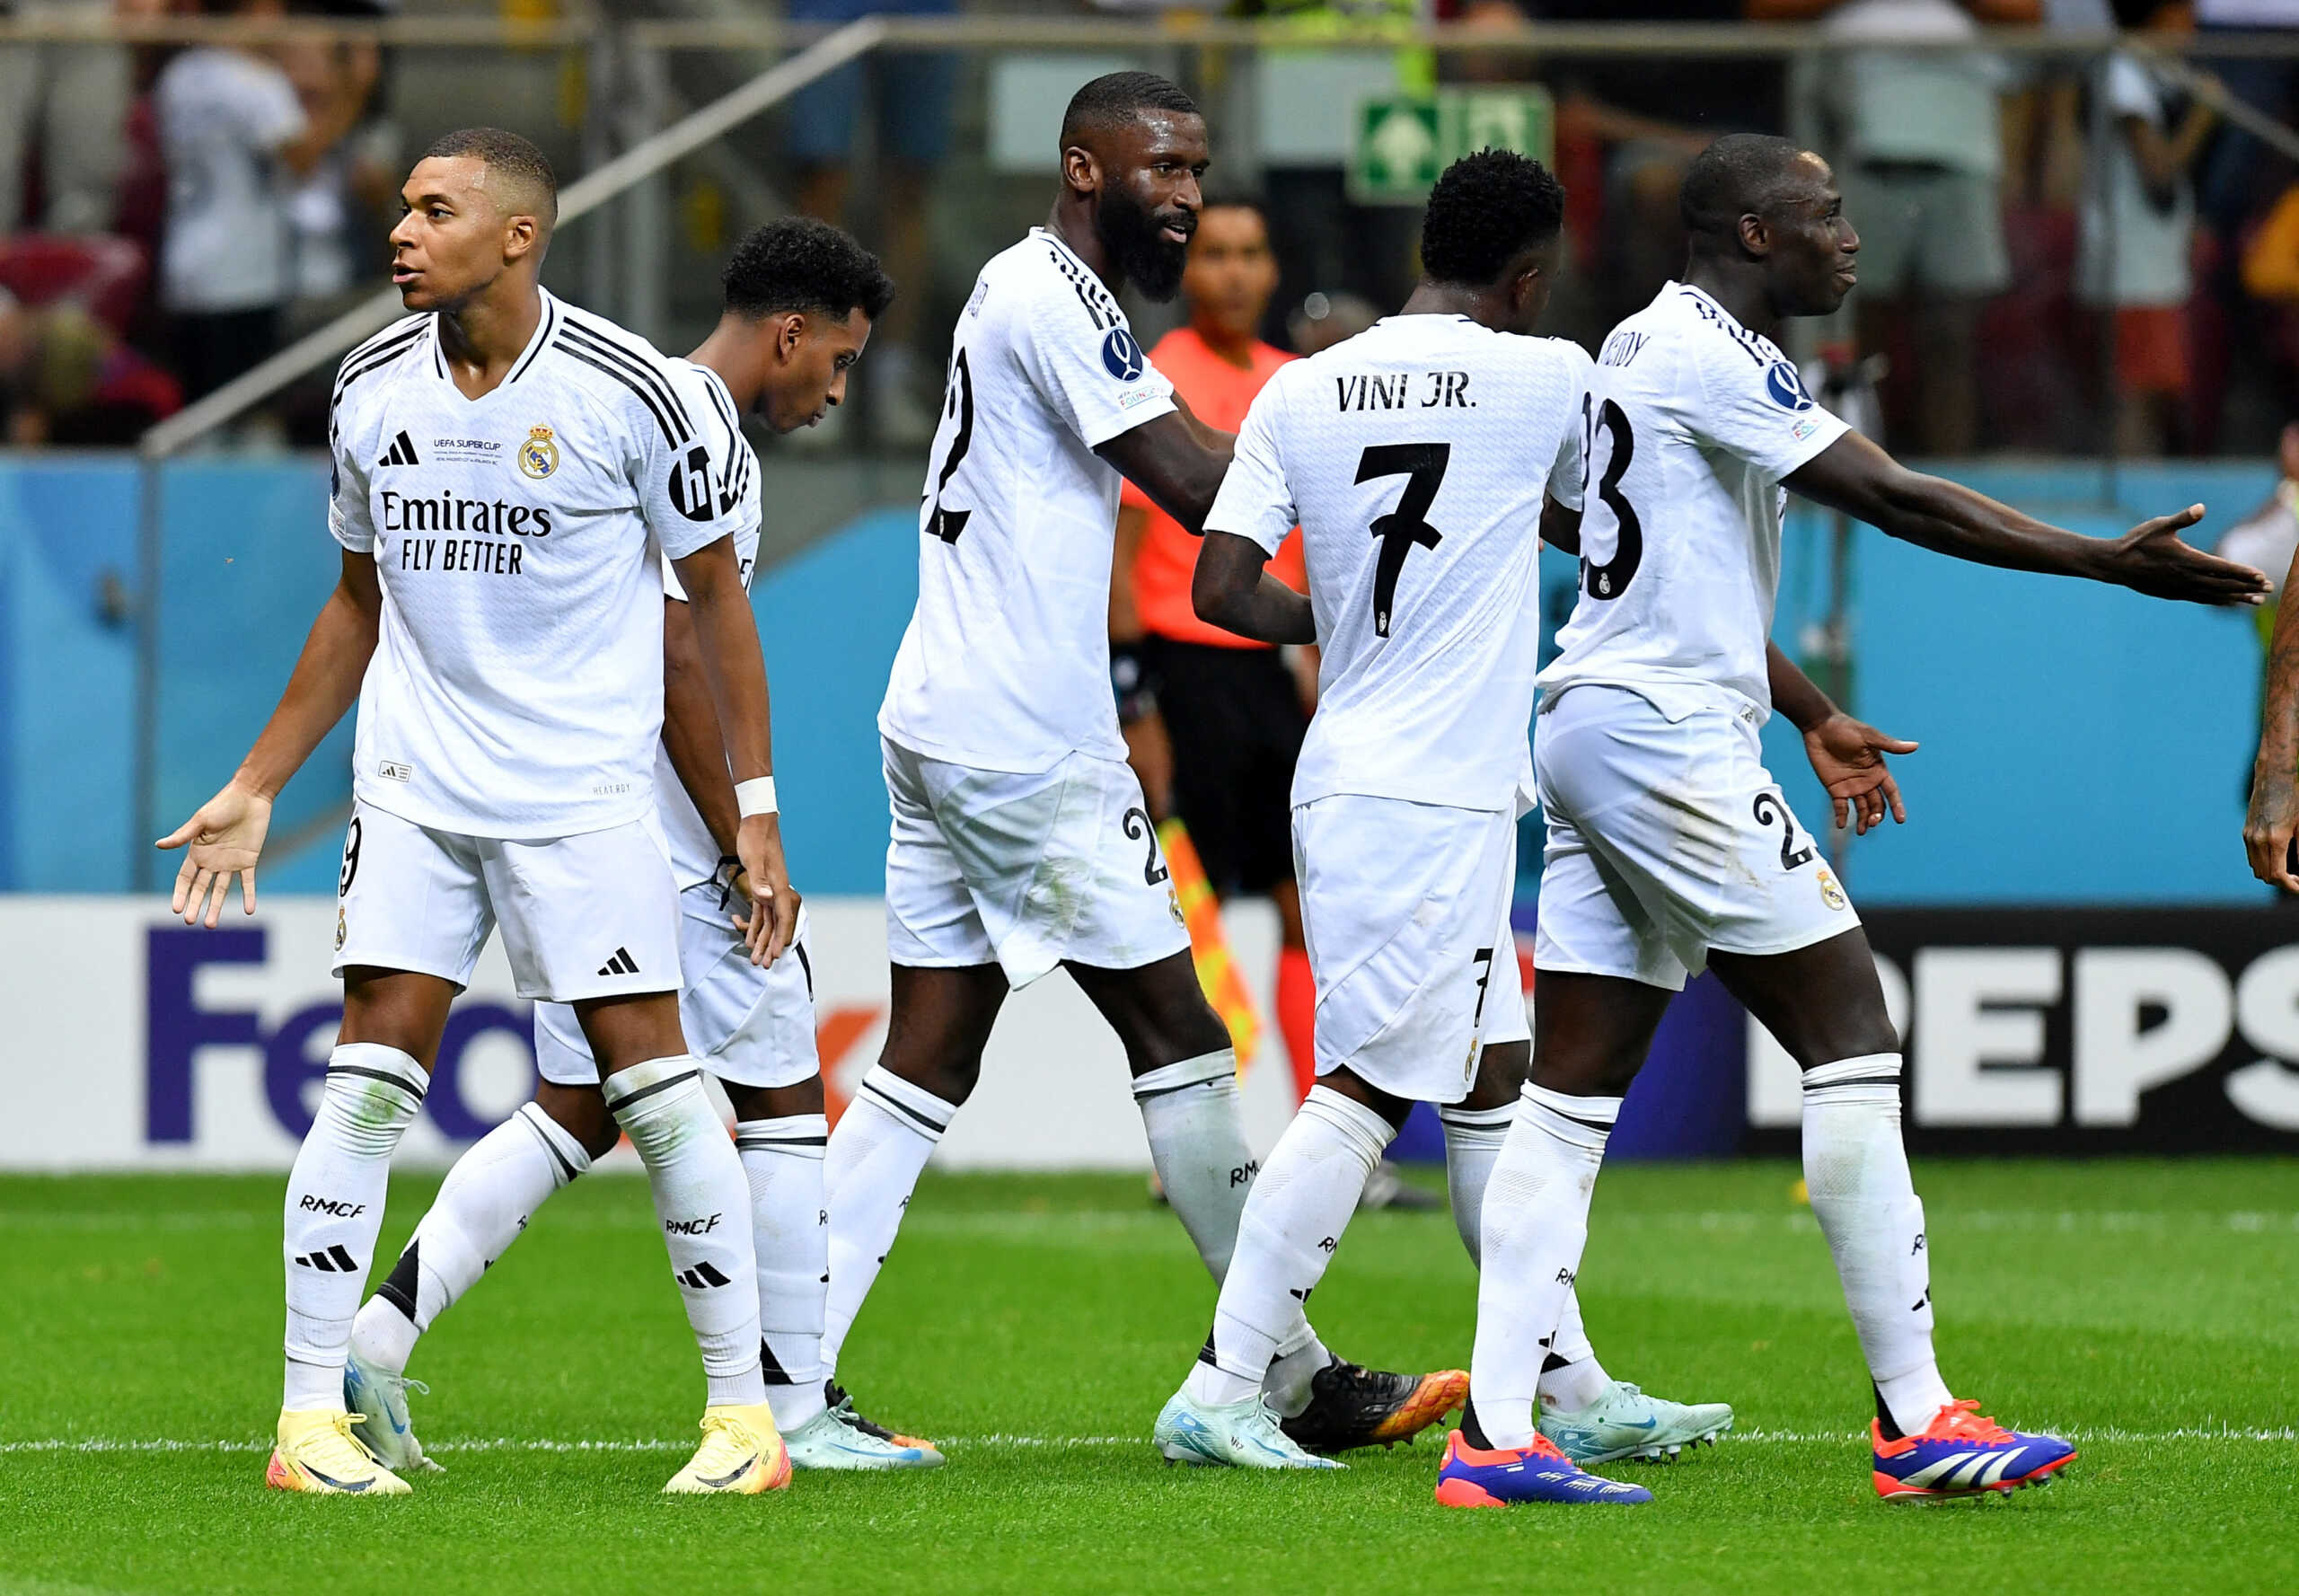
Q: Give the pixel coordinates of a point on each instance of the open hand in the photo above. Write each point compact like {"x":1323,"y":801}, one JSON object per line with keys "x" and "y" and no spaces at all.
{"x":2152,"y":559}
{"x":1848,"y":757}
{"x":222,"y":840}
{"x":764,"y":882}
{"x":2269,"y":828}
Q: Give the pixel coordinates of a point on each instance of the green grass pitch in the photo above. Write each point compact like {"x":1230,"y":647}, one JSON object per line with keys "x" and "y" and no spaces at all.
{"x":1035,"y":1325}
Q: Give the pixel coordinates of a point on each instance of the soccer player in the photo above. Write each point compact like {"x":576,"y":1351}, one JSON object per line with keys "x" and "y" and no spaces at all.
{"x":1432,"y":432}
{"x":1020,"y":839}
{"x":800,"y":300}
{"x":1671,"y":846}
{"x":505,"y":467}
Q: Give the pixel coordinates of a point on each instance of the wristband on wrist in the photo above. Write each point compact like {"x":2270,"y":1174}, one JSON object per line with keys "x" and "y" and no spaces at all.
{"x":755,"y":797}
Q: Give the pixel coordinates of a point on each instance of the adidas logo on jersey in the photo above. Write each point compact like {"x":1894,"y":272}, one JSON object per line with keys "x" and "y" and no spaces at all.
{"x":622,"y":964}
{"x":401,"y":453}
{"x":333,"y":1261}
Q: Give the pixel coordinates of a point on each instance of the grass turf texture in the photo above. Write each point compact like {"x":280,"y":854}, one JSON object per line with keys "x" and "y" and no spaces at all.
{"x":1036,"y":1324}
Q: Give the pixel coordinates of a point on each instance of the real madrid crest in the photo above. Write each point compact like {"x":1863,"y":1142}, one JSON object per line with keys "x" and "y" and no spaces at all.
{"x":539,"y":456}
{"x":1830,"y":893}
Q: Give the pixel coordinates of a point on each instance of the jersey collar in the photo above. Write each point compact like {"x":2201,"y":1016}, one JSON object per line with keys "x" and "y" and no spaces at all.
{"x":546,"y":328}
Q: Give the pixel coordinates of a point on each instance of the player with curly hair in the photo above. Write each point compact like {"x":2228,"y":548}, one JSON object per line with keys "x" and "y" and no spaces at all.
{"x":1436,"y":429}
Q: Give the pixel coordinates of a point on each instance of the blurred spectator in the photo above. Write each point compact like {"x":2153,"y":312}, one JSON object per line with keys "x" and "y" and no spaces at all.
{"x":341,"y":209}
{"x":66,"y":378}
{"x":2137,"y":230}
{"x":232,"y":133}
{"x":71,"y":101}
{"x":2232,"y":172}
{"x":2267,"y":539}
{"x":910,"y":92}
{"x":1919,"y":156}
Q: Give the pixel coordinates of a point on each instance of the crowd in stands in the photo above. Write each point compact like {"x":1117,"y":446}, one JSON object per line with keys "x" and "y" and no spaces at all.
{"x":2058,"y":251}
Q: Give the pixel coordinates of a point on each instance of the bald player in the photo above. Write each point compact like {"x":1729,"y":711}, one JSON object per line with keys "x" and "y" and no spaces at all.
{"x":505,"y":466}
{"x":1671,"y":846}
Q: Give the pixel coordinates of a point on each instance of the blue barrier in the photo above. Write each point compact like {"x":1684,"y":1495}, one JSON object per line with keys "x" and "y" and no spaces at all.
{"x":2081,"y":744}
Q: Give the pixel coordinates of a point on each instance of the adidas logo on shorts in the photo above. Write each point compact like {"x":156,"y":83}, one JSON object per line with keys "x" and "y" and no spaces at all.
{"x":622,"y":964}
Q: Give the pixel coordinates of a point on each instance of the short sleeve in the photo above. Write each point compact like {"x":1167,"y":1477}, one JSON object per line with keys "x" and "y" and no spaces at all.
{"x":1753,"y":404}
{"x":347,"y":514}
{"x":1092,"y":373}
{"x":1568,"y":471}
{"x":2128,"y":91}
{"x":1255,"y":501}
{"x":680,"y":463}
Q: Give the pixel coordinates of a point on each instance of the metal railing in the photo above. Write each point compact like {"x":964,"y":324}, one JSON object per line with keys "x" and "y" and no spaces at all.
{"x":634,"y":57}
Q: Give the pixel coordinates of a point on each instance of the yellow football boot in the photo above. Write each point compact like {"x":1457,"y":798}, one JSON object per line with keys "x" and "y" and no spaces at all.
{"x":742,"y":1454}
{"x":318,"y":1453}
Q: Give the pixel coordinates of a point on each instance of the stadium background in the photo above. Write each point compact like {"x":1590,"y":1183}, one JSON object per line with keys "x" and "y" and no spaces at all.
{"x":2077,"y":951}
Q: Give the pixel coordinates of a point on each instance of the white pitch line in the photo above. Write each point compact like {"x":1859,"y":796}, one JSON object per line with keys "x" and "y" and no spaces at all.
{"x":509,"y":1443}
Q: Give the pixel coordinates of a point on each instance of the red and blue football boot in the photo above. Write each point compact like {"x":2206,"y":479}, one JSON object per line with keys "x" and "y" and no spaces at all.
{"x":1471,"y":1477}
{"x":1963,"y":1452}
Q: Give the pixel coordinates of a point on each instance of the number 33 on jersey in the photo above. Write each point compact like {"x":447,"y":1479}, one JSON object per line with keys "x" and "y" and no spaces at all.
{"x":1415,"y":457}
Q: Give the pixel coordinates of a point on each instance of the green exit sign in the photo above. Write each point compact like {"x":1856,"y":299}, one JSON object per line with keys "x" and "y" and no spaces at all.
{"x":1402,"y":141}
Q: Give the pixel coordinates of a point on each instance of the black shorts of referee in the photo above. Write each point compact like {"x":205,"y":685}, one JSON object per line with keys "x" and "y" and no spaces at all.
{"x":1235,"y":720}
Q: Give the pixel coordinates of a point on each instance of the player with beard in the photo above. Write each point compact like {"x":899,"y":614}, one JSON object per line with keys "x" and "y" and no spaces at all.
{"x":1020,"y":839}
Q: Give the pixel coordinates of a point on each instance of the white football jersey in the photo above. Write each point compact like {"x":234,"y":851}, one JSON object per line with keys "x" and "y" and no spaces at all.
{"x":1006,"y":666}
{"x":516,"y":688}
{"x":1692,"y":421}
{"x":694,"y":851}
{"x":1415,"y":457}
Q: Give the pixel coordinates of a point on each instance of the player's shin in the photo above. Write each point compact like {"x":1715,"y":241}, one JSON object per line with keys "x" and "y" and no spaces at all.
{"x":1197,"y":1145}
{"x":335,"y":1210}
{"x":482,"y":1207}
{"x":791,"y":1235}
{"x":1473,"y":1139}
{"x":1536,"y":1223}
{"x":1291,"y":1226}
{"x":703,"y":1202}
{"x":1855,"y":1168}
{"x":875,"y":1156}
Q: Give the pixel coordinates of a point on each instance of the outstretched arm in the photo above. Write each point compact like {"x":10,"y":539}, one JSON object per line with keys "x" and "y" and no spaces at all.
{"x":1176,"y":460}
{"x":727,"y":647}
{"x":1853,"y":475}
{"x":1232,"y":590}
{"x":1848,"y":754}
{"x":226,"y":836}
{"x":2273,"y":818}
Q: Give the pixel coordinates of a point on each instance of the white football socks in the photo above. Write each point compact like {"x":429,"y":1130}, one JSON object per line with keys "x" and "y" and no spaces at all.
{"x":1294,"y":1220}
{"x":335,"y":1210}
{"x":875,"y":1156}
{"x":1570,"y":1377}
{"x":1855,"y":1168}
{"x":703,"y":1202}
{"x":1473,"y":1139}
{"x":482,"y":1207}
{"x":1197,"y":1145}
{"x":1536,"y":1224}
{"x":790,"y":1231}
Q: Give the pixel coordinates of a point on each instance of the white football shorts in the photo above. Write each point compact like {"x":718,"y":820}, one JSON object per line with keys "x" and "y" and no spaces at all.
{"x":1024,"y":869}
{"x":1400,"y":903}
{"x":1508,"y":1017}
{"x":593,"y":915}
{"x":1667,"y":840}
{"x":747,"y":1025}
